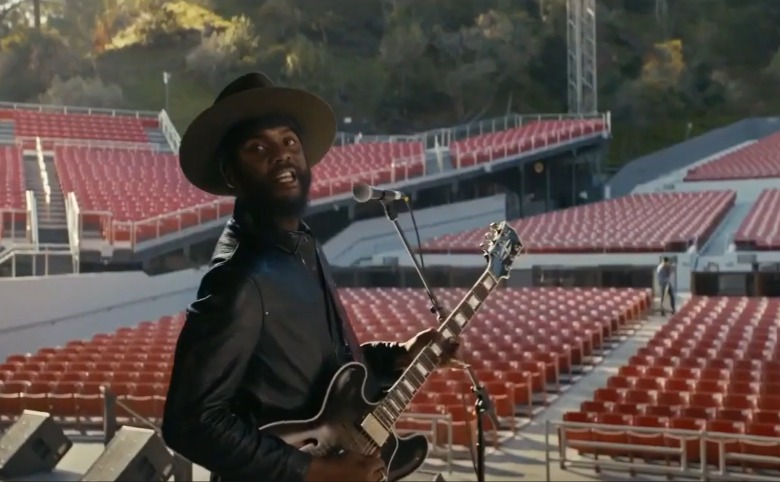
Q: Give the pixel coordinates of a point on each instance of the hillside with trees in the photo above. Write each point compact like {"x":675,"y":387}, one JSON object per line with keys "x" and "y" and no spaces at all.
{"x":668,"y":69}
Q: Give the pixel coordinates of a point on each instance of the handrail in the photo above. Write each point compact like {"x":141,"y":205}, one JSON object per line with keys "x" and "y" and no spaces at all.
{"x":172,"y":222}
{"x":92,"y":143}
{"x":224,"y":208}
{"x":32,"y":233}
{"x":42,"y":170}
{"x":704,"y":437}
{"x":513,"y":148}
{"x":72,"y":219}
{"x":408,"y":167}
{"x":65,"y":109}
{"x":445,"y":135}
{"x":169,"y":131}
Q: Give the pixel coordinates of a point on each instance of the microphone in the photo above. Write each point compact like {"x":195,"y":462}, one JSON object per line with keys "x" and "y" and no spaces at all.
{"x":362,"y":193}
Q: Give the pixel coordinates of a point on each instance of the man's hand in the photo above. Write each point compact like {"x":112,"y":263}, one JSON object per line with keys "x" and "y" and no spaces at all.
{"x":418,"y":342}
{"x":347,"y":467}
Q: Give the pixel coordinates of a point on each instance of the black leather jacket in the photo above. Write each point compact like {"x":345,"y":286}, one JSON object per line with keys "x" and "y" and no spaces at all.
{"x":260,"y":344}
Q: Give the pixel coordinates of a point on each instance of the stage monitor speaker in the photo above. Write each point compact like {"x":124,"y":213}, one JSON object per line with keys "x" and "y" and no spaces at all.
{"x":134,"y":454}
{"x":35,"y":443}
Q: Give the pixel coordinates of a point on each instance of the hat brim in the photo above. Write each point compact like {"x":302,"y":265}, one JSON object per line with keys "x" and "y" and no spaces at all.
{"x":201,"y":140}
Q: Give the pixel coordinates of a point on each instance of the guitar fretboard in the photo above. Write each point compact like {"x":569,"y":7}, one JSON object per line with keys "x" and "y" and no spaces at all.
{"x":401,"y":394}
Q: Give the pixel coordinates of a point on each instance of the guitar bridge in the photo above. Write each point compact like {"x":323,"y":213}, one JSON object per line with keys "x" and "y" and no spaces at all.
{"x":374,"y":429}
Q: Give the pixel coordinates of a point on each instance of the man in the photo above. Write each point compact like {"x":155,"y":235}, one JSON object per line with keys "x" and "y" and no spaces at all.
{"x":267,"y":331}
{"x":664,"y":276}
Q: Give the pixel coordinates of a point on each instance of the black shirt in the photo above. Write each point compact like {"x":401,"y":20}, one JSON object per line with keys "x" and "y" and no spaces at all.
{"x":260,"y":345}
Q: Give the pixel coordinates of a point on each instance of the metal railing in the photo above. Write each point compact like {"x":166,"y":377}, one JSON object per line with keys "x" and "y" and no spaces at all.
{"x":69,"y":109}
{"x":689,"y":453}
{"x":133,"y":232}
{"x":97,"y":144}
{"x":31,"y":222}
{"x":444,"y":136}
{"x":532,"y":143}
{"x":35,"y":252}
{"x":169,"y":131}
{"x":74,"y":236}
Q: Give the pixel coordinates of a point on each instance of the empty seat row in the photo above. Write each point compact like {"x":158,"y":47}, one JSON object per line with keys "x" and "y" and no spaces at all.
{"x":509,"y":143}
{"x":520,"y":344}
{"x":654,"y":222}
{"x":713,"y":365}
{"x":760,"y":230}
{"x":758,"y":160}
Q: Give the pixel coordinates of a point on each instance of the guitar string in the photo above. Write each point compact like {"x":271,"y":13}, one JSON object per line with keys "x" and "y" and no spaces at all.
{"x":387,"y":414}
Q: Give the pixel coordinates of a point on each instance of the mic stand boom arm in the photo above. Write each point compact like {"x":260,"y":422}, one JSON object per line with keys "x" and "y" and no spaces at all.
{"x":392,"y":215}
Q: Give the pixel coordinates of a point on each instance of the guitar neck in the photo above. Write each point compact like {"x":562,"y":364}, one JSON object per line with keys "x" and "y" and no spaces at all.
{"x":401,"y":394}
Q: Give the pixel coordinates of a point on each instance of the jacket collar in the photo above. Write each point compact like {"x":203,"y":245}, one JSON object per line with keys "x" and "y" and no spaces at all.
{"x":249,"y":229}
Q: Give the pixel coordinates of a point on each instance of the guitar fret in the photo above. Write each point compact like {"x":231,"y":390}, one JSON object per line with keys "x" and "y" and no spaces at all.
{"x":502,"y":248}
{"x":401,"y":394}
{"x":436,"y":349}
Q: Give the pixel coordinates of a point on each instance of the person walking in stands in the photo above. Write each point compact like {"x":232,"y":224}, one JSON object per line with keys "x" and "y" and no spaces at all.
{"x":267,"y":331}
{"x":663,"y":274}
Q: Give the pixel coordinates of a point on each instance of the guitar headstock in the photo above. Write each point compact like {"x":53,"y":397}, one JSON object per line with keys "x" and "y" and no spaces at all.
{"x":501,"y":247}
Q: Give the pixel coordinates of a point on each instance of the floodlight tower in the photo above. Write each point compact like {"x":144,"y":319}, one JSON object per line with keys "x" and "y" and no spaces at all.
{"x":581,"y":56}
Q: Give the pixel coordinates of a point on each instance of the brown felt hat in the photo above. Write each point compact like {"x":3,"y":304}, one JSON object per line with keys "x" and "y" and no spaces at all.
{"x":252,"y":96}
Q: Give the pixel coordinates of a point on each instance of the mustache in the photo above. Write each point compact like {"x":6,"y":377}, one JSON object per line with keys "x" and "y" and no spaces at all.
{"x":296,"y":169}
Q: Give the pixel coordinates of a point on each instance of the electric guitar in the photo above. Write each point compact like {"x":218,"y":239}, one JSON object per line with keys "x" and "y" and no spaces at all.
{"x":349,"y":421}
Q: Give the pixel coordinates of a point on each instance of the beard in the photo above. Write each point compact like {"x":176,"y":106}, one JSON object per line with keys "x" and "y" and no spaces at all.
{"x":265,"y":205}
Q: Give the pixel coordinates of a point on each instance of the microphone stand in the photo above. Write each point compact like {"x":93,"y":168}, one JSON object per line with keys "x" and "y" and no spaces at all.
{"x":483,"y":406}
{"x":392,"y":214}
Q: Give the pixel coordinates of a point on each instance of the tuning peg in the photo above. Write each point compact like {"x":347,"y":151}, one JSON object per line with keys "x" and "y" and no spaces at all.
{"x":494,"y":226}
{"x":488,"y":235}
{"x":482,"y":246}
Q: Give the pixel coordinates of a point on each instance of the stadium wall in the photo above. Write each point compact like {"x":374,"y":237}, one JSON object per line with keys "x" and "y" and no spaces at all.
{"x":365,"y":239}
{"x":679,"y":156}
{"x":38,"y":312}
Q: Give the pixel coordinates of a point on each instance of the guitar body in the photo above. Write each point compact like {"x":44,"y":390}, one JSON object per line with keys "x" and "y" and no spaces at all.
{"x":337,"y":427}
{"x":349,"y":421}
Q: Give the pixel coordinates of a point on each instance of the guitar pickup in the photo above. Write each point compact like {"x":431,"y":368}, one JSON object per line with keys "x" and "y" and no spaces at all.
{"x":374,"y":429}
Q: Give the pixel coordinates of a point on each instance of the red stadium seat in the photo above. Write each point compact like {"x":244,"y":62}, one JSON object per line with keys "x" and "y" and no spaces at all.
{"x":656,"y":222}
{"x":734,"y":391}
{"x":525,"y":139}
{"x":757,"y":160}
{"x":756,"y":231}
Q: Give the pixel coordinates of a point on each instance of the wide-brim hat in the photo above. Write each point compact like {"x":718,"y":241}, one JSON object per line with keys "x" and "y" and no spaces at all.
{"x":252,"y":96}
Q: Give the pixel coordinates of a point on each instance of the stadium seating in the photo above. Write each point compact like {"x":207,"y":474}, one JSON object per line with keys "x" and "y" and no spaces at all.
{"x":521,"y":342}
{"x":60,"y":125}
{"x":374,"y":163}
{"x":714,"y":366}
{"x":132,"y":185}
{"x":652,"y":222}
{"x":163,"y":203}
{"x":535,"y":135}
{"x":760,"y":230}
{"x":758,"y":160}
{"x":138,"y":184}
{"x":11,"y":178}
{"x":12,"y":202}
